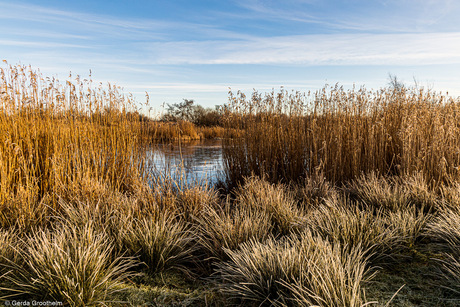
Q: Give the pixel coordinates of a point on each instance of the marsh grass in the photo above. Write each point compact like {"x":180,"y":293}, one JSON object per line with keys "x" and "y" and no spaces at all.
{"x":451,"y":271}
{"x":158,"y":131}
{"x":378,"y":192}
{"x":383,"y":235}
{"x":301,"y":271}
{"x":226,"y":228}
{"x":446,"y":228}
{"x":275,"y":199}
{"x":164,"y":243}
{"x":345,"y":224}
{"x":70,"y":264}
{"x":314,"y":191}
{"x":8,"y":239}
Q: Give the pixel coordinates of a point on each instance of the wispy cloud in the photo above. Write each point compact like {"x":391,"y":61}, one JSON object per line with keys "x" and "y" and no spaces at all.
{"x":349,"y":49}
{"x":88,"y":26}
{"x":62,"y":23}
{"x":19,"y":43}
{"x":384,"y":16}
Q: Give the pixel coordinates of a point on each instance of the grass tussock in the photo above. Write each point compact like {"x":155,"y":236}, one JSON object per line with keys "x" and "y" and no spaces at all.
{"x":446,"y":228}
{"x":394,"y":193}
{"x":226,"y":228}
{"x":276,"y":200}
{"x":8,"y":238}
{"x":71,"y":265}
{"x":348,"y":225}
{"x":450,"y":267}
{"x":314,"y":191}
{"x":162,"y":244}
{"x":182,"y":199}
{"x":381,"y":234}
{"x":303,"y":271}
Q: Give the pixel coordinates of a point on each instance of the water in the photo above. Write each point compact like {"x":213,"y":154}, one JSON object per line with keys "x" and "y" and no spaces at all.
{"x":191,"y":161}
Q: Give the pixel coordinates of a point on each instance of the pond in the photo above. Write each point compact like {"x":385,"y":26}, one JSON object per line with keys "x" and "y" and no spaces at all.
{"x":187,"y":161}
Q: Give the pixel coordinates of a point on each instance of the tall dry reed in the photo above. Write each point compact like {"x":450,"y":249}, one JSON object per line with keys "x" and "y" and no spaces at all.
{"x":55,"y":136}
{"x":343,"y":133}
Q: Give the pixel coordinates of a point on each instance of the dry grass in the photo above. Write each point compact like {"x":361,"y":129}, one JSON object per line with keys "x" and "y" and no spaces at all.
{"x":446,"y":228}
{"x":211,"y":132}
{"x":346,"y":224}
{"x":71,"y":265}
{"x":379,"y":192}
{"x":382,"y":235}
{"x":451,"y":271}
{"x":395,"y":193}
{"x":226,"y":228}
{"x":165,"y":131}
{"x":162,"y":244}
{"x":7,"y":252}
{"x":183,"y":130}
{"x":276,"y":200}
{"x":314,"y":191}
{"x":297,"y":272}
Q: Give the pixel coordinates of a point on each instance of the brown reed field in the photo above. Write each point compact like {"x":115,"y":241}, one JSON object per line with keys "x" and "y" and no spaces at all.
{"x":184,"y":130}
{"x":343,"y":134}
{"x":337,"y":198}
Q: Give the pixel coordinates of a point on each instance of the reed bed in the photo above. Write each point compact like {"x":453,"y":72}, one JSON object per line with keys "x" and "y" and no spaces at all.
{"x":56,"y":136}
{"x":167,"y":131}
{"x":159,"y":131}
{"x":343,"y":134}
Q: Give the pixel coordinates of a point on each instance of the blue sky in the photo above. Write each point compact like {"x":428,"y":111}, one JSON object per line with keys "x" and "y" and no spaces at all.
{"x":199,"y":49}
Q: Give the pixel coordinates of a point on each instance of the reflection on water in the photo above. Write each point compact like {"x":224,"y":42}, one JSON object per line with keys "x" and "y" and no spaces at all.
{"x":194,"y":161}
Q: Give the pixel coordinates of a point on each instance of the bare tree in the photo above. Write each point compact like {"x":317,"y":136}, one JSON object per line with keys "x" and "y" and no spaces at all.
{"x":394,"y":83}
{"x":179,"y":111}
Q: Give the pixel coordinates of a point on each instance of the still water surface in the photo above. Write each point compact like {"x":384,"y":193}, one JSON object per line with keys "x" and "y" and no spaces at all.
{"x":194,"y":161}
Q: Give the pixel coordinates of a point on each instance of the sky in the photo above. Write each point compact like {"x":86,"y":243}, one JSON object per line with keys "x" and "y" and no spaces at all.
{"x":191,"y":49}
